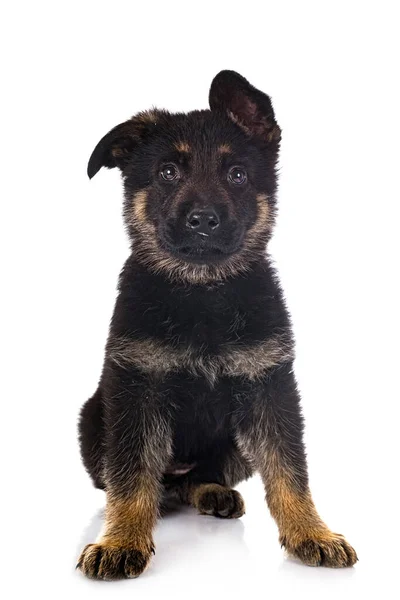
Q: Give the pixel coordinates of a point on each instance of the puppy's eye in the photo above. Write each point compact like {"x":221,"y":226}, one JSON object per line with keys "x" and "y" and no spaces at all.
{"x":170,"y":173}
{"x":237,"y":175}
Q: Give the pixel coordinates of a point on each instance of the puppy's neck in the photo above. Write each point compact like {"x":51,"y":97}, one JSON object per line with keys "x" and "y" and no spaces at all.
{"x":179,"y":272}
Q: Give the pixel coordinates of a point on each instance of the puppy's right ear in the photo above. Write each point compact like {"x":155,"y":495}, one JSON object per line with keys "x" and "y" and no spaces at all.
{"x":115,"y":148}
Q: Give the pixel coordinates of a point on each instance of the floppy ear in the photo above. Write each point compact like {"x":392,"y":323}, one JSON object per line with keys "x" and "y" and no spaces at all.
{"x":247,"y":106}
{"x":115,"y":147}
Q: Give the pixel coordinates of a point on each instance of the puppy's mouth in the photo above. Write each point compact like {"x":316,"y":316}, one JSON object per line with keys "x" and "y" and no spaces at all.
{"x":198,"y":253}
{"x":201,"y":253}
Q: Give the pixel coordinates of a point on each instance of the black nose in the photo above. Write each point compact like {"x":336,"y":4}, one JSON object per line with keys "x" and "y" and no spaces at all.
{"x":204,"y":221}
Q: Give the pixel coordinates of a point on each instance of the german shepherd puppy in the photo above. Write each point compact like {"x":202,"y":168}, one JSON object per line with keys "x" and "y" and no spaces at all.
{"x":197,"y":390}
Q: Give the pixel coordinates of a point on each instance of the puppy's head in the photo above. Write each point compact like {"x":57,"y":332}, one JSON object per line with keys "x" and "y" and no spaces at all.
{"x":199,"y":187}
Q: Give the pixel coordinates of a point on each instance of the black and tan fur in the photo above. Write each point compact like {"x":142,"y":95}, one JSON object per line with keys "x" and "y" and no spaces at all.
{"x":197,"y":390}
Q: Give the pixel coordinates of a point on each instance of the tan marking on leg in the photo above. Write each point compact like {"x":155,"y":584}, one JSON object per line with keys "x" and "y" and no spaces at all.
{"x":126,"y":544}
{"x":301,"y":530}
{"x":129,"y":522}
{"x":293,"y":511}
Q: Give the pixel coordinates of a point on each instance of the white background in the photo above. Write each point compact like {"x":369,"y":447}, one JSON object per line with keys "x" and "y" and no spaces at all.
{"x":70,"y":72}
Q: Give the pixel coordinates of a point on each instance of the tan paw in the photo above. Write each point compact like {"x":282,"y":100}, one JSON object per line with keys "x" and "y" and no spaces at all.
{"x":101,"y":561}
{"x":329,"y":550}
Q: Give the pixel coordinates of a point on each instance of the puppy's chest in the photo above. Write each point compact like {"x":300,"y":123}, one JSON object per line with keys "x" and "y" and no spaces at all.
{"x":230,"y":358}
{"x":204,"y":336}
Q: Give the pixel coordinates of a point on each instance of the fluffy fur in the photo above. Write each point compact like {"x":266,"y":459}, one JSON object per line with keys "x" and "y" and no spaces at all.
{"x":197,"y":390}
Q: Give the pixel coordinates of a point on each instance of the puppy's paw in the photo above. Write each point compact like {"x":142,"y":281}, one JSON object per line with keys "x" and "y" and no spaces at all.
{"x":328,"y":550}
{"x":102,"y":561}
{"x":219,"y":501}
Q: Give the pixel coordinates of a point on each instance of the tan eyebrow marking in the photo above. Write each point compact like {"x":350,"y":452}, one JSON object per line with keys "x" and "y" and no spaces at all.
{"x":224,"y":149}
{"x":182,"y":147}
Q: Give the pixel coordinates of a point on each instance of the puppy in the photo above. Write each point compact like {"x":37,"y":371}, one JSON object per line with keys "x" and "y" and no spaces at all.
{"x":197,"y":390}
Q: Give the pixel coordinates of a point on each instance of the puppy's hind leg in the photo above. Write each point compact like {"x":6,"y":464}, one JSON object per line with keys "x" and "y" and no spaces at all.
{"x":91,"y":438}
{"x":211,"y":492}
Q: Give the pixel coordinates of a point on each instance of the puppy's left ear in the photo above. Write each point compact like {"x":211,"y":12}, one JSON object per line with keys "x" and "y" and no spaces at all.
{"x":247,"y":106}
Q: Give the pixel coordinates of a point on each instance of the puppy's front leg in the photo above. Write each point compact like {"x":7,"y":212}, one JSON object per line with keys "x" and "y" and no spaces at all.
{"x":138,"y":448}
{"x":269,"y":432}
